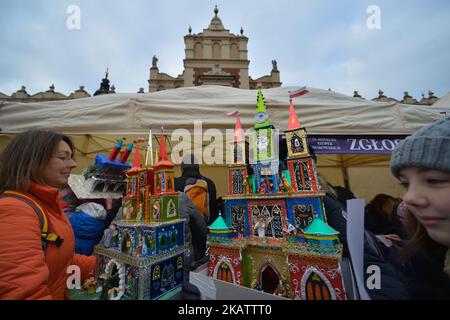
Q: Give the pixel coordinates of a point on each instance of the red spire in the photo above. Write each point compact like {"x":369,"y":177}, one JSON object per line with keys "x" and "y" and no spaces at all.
{"x":137,"y":159}
{"x":238,"y":132}
{"x":162,"y":148}
{"x":136,"y":163}
{"x":293,"y":120}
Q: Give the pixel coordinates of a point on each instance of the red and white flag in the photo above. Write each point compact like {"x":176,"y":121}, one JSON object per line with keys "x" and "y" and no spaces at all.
{"x":298,"y":93}
{"x":233,"y":113}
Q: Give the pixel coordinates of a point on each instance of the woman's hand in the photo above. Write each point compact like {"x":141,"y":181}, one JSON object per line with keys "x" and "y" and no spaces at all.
{"x":108,"y":203}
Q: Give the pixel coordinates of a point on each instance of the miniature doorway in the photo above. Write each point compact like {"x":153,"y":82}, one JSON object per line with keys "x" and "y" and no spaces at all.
{"x":316,"y":288}
{"x":224,"y":272}
{"x":269,"y":279}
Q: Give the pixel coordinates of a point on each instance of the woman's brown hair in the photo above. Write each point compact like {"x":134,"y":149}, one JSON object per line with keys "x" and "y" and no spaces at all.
{"x":25,"y":157}
{"x":420,"y":241}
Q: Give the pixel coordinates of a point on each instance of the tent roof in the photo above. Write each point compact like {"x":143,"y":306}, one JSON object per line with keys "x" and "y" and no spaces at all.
{"x":443,"y":102}
{"x":320,"y":111}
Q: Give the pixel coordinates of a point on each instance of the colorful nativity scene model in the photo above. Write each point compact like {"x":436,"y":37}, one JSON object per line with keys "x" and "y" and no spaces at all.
{"x":141,"y":257}
{"x":274,"y":234}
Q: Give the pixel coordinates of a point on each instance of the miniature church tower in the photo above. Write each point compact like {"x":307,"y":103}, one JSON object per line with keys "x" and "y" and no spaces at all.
{"x":264,"y":156}
{"x":276,"y":238}
{"x":136,"y":202}
{"x":238,"y":179}
{"x":302,"y":169}
{"x":143,"y":255}
{"x":165,"y":198}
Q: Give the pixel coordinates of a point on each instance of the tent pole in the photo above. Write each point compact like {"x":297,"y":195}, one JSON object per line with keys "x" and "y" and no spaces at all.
{"x":85,"y":146}
{"x":344,"y":173}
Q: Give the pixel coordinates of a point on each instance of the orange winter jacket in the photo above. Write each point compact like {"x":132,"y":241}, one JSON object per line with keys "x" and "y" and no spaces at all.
{"x":26,"y":270}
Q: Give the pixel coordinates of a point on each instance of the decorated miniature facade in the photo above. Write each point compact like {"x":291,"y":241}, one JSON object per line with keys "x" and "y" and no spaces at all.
{"x":276,"y":238}
{"x":142,"y":256}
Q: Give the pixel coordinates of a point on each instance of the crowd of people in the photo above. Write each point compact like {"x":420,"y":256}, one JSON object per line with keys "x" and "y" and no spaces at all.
{"x":45,"y":228}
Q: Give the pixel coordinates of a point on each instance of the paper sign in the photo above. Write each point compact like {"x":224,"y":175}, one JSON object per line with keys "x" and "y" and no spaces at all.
{"x":355,"y":240}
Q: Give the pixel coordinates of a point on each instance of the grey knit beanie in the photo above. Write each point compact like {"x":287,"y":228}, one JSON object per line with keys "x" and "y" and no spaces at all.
{"x":429,"y":147}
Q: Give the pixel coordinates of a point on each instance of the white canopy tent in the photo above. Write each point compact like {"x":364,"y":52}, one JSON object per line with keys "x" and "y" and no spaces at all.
{"x":95,"y":123}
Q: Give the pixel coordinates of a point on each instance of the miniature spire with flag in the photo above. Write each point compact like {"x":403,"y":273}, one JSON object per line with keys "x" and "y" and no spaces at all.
{"x":238,"y":132}
{"x":293,"y":120}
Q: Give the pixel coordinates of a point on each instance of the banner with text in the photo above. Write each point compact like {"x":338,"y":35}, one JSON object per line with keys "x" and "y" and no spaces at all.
{"x":354,"y":144}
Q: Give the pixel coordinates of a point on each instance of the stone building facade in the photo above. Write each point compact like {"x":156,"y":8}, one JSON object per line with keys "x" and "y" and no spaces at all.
{"x":213,"y":57}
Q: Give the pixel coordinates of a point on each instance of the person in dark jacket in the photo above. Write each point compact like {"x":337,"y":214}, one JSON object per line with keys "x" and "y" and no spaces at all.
{"x":421,"y":163}
{"x":89,"y":218}
{"x":195,"y":231}
{"x":381,"y":216}
{"x":191,"y":169}
{"x":88,"y":224}
{"x":196,"y":228}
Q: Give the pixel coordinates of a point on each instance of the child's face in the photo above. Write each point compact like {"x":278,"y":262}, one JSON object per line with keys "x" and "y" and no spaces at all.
{"x":428,"y":198}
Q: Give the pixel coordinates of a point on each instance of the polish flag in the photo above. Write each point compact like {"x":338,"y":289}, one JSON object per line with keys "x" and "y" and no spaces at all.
{"x":233,"y":113}
{"x":298,"y":93}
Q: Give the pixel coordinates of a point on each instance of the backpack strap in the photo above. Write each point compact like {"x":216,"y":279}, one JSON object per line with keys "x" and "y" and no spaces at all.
{"x":46,"y":235}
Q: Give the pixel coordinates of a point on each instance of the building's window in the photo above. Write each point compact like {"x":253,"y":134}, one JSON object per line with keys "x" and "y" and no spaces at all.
{"x":198,"y":50}
{"x":216,"y":50}
{"x":234,"y":51}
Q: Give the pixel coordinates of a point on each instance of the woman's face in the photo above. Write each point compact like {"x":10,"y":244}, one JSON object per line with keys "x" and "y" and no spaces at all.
{"x":428,"y":198}
{"x":57,"y":171}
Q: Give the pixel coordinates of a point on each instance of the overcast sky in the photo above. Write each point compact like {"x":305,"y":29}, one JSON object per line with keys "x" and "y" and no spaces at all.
{"x":321,"y":43}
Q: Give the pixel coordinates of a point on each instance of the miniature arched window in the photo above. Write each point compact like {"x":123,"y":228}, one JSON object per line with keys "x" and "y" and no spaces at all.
{"x":133,"y":185}
{"x":303,"y":215}
{"x":162,"y":178}
{"x":173,"y":238}
{"x":142,"y":179}
{"x":179,"y":262}
{"x":238,"y":154}
{"x":316,"y":288}
{"x":198,"y":50}
{"x":115,"y":272}
{"x":169,"y":183}
{"x":161,"y":88}
{"x":224,"y":272}
{"x":171,"y":209}
{"x":234,"y":51}
{"x":167,"y":276}
{"x":156,"y":273}
{"x":156,"y":209}
{"x":162,"y":241}
{"x":217,"y":54}
{"x":296,"y":144}
{"x":126,"y":243}
{"x":277,"y":222}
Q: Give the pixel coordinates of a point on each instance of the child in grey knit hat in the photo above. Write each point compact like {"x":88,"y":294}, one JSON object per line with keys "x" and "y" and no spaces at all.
{"x":422,"y":164}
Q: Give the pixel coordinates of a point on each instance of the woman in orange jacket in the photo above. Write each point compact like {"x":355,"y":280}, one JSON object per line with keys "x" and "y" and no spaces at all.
{"x":37,"y":241}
